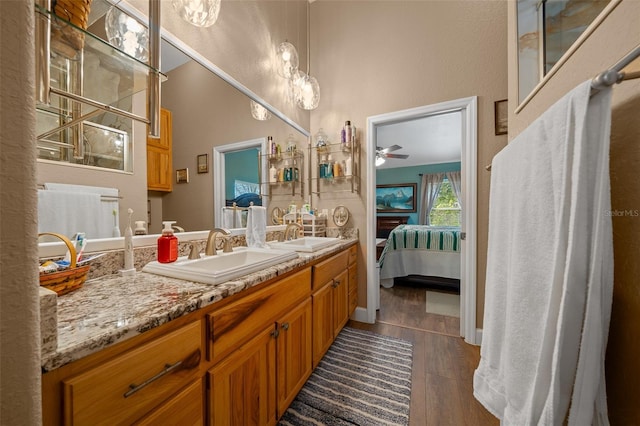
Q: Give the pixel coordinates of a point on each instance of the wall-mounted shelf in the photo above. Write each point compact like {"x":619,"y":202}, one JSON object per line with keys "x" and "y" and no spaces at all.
{"x":279,"y":162}
{"x":323,"y":175}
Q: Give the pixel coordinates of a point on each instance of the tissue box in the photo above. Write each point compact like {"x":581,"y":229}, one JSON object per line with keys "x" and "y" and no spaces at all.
{"x":48,"y":320}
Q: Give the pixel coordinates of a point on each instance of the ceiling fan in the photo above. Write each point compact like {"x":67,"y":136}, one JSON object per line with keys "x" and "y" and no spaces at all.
{"x":383,"y":153}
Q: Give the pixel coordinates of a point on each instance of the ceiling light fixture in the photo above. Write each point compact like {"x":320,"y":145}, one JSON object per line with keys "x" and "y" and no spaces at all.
{"x":308,"y":89}
{"x":201,"y":13}
{"x":259,"y":112}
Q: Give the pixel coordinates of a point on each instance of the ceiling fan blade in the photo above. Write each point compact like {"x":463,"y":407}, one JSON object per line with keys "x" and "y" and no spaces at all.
{"x":389,"y":149}
{"x":403,"y":156}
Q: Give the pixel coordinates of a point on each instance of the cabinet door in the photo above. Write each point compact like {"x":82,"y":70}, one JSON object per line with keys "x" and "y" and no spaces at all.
{"x":322,"y":301}
{"x":243,"y":386}
{"x":159,"y":156}
{"x":340,"y":302}
{"x":185,"y":409}
{"x":159,"y":169}
{"x":294,"y":353}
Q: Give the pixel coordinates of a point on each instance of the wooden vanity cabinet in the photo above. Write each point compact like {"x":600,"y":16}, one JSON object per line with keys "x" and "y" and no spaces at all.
{"x":330,"y":299}
{"x":353,"y":279}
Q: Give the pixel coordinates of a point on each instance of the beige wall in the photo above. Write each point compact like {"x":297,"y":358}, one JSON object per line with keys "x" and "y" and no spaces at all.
{"x":616,"y":36}
{"x":377,"y":57}
{"x":208,"y":112}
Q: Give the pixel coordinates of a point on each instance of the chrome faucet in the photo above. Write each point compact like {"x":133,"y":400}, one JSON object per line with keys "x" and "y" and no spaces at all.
{"x":292,"y":226}
{"x":210,"y":248}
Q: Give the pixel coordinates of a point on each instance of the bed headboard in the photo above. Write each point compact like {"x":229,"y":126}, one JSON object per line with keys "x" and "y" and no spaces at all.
{"x":385,"y":224}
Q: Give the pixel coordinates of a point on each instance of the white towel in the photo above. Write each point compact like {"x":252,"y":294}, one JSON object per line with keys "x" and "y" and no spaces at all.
{"x":232,"y":218}
{"x":550,"y":269}
{"x":256,"y":231}
{"x":103,"y":217}
{"x":67,"y":212}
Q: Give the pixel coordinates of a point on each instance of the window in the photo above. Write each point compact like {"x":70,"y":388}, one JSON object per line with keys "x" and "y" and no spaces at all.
{"x":446,"y":210}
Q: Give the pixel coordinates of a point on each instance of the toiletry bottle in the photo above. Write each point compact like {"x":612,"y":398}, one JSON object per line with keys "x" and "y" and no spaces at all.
{"x":347,"y":132}
{"x":287,"y":171}
{"x":273,"y":174}
{"x":322,"y":167}
{"x":296,"y":172}
{"x":348,"y":166}
{"x":271,"y":145}
{"x":329,"y":167}
{"x":167,"y":244}
{"x":128,"y":244}
{"x":337,"y":169}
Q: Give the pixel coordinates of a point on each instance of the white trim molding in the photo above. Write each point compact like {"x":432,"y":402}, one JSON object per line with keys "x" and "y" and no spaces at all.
{"x":469,"y":113}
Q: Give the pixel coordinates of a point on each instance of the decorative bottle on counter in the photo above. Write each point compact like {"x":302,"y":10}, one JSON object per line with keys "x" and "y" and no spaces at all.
{"x":167,"y":244}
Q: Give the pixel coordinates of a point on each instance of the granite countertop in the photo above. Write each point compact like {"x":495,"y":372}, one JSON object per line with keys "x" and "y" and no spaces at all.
{"x":111,"y":309}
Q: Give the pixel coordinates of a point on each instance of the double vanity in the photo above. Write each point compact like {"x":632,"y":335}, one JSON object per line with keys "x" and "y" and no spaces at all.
{"x":162,"y":347}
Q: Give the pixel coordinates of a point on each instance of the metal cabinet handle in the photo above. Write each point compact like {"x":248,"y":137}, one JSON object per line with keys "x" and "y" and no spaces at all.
{"x":285,"y":326}
{"x":336,"y":283}
{"x":188,"y":363}
{"x":275,"y":333}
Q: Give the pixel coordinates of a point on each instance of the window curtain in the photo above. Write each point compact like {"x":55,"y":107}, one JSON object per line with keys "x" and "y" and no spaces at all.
{"x":428,"y":195}
{"x":455,"y":178}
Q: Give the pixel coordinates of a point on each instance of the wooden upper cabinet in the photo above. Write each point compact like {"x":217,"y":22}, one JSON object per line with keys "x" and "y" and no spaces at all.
{"x":159,"y":156}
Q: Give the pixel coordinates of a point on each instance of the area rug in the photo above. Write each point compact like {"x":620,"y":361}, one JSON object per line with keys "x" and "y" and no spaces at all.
{"x":443,"y":303}
{"x":363,"y":379}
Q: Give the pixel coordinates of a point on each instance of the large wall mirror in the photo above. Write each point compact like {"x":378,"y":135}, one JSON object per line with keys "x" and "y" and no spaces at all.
{"x":210,"y":109}
{"x":547,"y":30}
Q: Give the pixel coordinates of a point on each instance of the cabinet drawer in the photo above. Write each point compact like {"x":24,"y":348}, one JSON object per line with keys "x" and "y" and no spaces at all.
{"x":353,"y":254}
{"x":122,"y":390}
{"x":185,"y":409}
{"x":236,"y":323}
{"x":328,"y":269}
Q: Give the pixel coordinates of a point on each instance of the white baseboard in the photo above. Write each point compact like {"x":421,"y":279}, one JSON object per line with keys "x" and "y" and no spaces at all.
{"x":360,"y":315}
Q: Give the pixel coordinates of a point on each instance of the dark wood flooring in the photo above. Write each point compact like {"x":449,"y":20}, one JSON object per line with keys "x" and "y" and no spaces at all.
{"x":443,"y":364}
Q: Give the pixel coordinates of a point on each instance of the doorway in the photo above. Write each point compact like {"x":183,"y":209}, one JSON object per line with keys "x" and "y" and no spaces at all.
{"x":219,"y":170}
{"x":468,"y":112}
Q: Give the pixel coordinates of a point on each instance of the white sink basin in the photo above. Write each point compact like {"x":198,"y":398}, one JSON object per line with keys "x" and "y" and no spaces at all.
{"x":306,"y":244}
{"x":221,"y":267}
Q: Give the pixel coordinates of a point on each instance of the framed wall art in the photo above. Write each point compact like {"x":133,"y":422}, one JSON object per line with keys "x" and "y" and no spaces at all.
{"x":392,"y":198}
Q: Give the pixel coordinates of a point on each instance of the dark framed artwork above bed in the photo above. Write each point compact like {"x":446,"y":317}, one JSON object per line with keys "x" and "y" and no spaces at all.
{"x":396,"y":198}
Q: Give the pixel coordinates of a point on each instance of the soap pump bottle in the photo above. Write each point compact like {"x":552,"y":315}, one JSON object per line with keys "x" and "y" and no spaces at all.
{"x":167,"y":244}
{"x":128,"y":247}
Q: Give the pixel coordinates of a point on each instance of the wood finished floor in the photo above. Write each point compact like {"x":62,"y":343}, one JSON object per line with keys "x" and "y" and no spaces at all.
{"x":443,"y":364}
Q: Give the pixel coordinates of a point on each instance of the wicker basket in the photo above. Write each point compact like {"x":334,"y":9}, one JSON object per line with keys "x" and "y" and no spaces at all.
{"x":63,"y":282}
{"x":65,"y":39}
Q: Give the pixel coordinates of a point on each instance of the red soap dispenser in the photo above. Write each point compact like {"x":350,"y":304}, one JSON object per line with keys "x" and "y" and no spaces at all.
{"x":167,"y":244}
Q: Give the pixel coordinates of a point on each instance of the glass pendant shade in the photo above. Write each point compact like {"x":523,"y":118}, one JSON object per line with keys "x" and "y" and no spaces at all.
{"x":308,"y":95}
{"x":295,"y":83}
{"x":127,"y":34}
{"x":259,"y":112}
{"x":201,"y":13}
{"x":286,"y":60}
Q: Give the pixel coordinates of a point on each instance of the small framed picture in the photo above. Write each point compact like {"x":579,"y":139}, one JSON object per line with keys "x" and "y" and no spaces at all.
{"x":182,"y":176}
{"x":203,"y":163}
{"x":501,"y":110}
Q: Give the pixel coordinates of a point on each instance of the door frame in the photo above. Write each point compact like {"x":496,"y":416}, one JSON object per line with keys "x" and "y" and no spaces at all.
{"x":469,"y":113}
{"x":219,"y":172}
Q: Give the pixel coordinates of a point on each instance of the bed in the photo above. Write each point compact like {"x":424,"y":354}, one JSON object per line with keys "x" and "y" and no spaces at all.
{"x":420,"y":250}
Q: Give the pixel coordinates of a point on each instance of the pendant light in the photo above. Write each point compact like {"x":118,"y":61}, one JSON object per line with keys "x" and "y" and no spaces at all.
{"x":287,"y":60}
{"x":259,"y":112}
{"x":127,"y":34}
{"x":308,"y":89}
{"x":201,"y":13}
